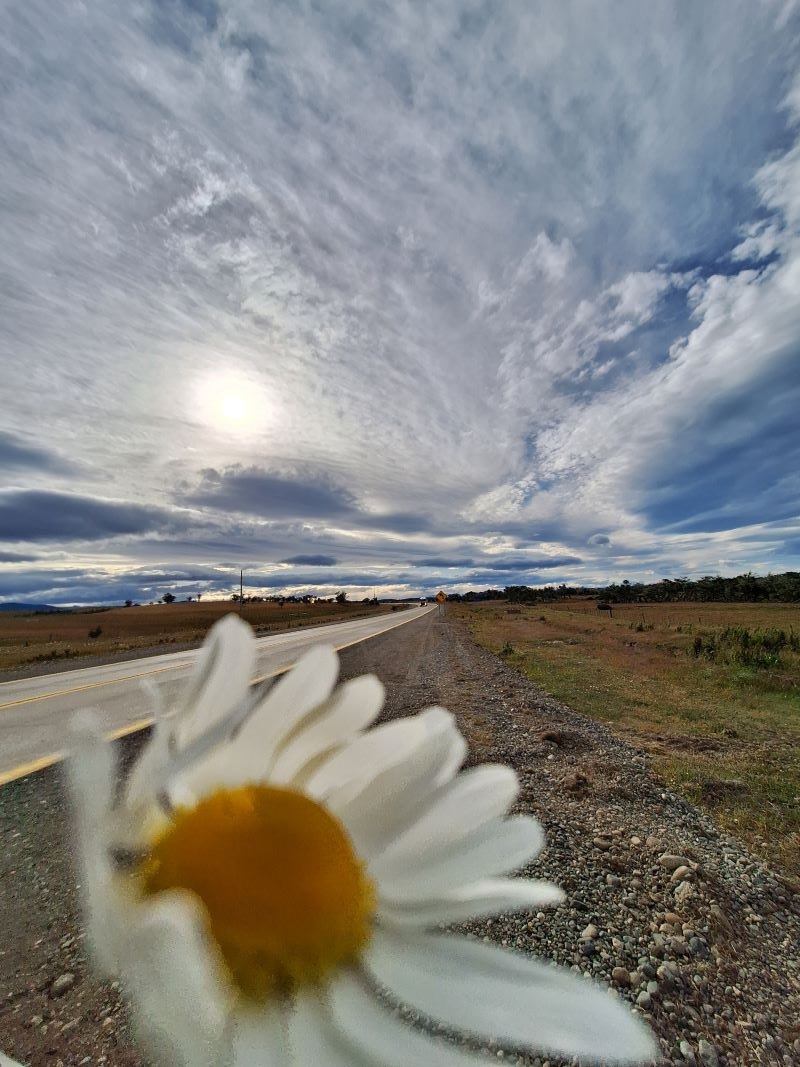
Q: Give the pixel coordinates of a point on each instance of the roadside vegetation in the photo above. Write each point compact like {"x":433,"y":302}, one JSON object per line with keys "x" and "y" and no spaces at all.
{"x":48,"y":637}
{"x":710,"y":690}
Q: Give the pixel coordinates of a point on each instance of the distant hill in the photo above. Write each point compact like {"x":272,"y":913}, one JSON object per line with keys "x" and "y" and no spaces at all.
{"x":12,"y":605}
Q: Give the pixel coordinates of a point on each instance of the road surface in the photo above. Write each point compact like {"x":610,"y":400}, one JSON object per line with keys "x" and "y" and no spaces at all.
{"x":35,"y":713}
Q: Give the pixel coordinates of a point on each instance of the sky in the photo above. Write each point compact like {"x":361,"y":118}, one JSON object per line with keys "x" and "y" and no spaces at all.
{"x":392,"y":297}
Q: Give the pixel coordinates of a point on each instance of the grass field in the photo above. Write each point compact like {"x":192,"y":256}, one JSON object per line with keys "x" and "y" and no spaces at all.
{"x":44,"y":638}
{"x":709,"y":690}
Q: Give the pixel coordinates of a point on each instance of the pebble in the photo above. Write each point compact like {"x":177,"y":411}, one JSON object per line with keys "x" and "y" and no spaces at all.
{"x":621,"y":975}
{"x":683,"y":891}
{"x":687,"y":1052}
{"x":707,"y":1053}
{"x":62,"y":984}
{"x":670,"y":862}
{"x":680,"y":873}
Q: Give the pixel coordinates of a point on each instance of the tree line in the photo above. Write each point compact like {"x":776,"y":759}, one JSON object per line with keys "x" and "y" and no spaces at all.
{"x":743,"y":588}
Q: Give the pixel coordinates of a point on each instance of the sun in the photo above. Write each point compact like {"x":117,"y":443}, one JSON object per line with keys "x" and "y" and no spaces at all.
{"x":232,"y":402}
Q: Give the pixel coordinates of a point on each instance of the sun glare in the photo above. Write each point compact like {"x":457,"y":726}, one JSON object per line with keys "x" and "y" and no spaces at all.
{"x":232,"y":402}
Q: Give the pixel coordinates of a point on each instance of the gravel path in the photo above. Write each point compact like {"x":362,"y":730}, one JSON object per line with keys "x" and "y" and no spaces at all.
{"x":689,"y":926}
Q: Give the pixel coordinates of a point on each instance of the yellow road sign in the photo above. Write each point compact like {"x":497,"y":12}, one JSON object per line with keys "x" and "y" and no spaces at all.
{"x":440,"y":597}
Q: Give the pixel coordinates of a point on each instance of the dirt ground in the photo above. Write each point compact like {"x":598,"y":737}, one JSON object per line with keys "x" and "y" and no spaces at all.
{"x":707,"y":952}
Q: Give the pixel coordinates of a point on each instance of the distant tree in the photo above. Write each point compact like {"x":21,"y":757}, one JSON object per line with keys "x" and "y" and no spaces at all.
{"x":341,"y":597}
{"x":168,"y":598}
{"x":128,"y":603}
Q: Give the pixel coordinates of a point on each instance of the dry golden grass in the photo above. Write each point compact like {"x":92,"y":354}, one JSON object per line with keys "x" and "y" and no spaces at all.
{"x":39,"y":638}
{"x":726,"y":736}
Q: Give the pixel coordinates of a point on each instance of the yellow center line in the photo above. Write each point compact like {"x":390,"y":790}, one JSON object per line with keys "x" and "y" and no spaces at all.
{"x":89,"y":685}
{"x":40,"y":764}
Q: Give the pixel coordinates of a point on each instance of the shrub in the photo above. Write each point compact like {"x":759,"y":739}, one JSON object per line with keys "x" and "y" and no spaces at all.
{"x":738,"y":646}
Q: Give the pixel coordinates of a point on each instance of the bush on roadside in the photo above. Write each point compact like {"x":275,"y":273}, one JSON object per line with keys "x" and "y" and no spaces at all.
{"x":741,"y":647}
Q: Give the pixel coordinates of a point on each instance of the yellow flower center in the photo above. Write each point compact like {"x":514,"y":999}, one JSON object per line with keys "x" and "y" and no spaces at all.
{"x":287,"y":898}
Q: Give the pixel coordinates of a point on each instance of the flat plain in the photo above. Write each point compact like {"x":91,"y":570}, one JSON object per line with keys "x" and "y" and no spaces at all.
{"x":33,"y":640}
{"x":708,"y":690}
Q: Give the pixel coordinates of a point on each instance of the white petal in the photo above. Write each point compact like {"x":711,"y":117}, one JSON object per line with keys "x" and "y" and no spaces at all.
{"x":91,"y":771}
{"x":498,"y":847}
{"x":315,"y":1041}
{"x":492,"y":896}
{"x":248,"y":756}
{"x":259,"y":1038}
{"x":219,"y":680}
{"x":175,"y":979}
{"x":90,"y":777}
{"x":148,"y":773}
{"x":380,"y":806}
{"x":382,"y":1038}
{"x":366,"y":757}
{"x":352,"y":708}
{"x":487,"y":992}
{"x":472,"y":799}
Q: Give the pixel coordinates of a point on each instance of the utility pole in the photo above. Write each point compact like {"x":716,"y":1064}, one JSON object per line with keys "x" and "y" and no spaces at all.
{"x":241,"y":590}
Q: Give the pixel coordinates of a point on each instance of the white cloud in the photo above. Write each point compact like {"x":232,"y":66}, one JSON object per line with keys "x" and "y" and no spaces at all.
{"x":450,"y":245}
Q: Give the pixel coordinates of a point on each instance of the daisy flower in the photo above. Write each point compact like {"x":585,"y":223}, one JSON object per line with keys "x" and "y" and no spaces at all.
{"x":269,"y":882}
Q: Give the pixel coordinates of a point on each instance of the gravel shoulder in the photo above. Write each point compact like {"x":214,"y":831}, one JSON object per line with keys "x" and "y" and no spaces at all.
{"x":700,"y":936}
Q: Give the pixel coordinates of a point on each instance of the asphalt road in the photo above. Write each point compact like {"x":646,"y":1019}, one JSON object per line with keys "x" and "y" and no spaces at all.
{"x":35,"y":713}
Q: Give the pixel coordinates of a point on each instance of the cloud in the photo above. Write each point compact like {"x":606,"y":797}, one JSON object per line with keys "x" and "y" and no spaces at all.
{"x":18,"y":455}
{"x":529,"y":564}
{"x":270,"y":496}
{"x":33,"y":515}
{"x":440,"y":562}
{"x":467,"y":280}
{"x":311,"y":561}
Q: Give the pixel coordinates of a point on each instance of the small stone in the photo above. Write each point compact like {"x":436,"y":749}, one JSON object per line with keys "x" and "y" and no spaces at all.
{"x":673,"y":919}
{"x":699,"y":947}
{"x":687,"y":1052}
{"x":636,"y":841}
{"x":680,"y":873}
{"x":62,"y":984}
{"x":621,"y":975}
{"x":720,"y":916}
{"x":671,"y":862}
{"x":35,"y":1020}
{"x":589,"y":933}
{"x":683,"y":891}
{"x":652,"y":842}
{"x":603,"y":843}
{"x":707,"y":1053}
{"x":644,"y":1000}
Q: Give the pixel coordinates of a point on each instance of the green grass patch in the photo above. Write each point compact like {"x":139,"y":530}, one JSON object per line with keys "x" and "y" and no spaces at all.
{"x":722,"y":724}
